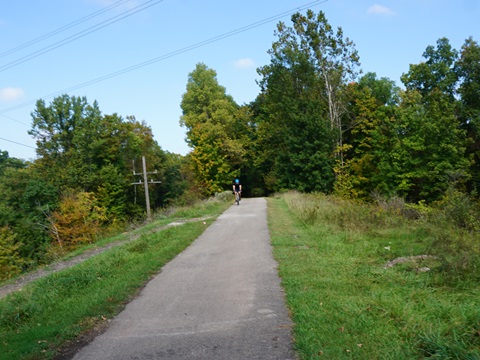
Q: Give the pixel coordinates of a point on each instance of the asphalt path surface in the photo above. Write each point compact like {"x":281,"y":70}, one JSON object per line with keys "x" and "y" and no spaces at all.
{"x":219,"y":299}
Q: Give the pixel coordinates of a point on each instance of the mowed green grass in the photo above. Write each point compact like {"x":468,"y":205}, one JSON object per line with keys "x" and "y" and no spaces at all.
{"x":37,"y":321}
{"x":344,"y":302}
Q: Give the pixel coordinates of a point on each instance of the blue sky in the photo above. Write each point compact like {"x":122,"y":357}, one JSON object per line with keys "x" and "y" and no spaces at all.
{"x":389,"y":36}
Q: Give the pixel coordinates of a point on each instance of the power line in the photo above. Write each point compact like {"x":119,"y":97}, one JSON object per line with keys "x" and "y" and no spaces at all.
{"x":14,"y":142}
{"x":8,"y":117}
{"x":171,"y":54}
{"x":80,"y":34}
{"x":63,"y":28}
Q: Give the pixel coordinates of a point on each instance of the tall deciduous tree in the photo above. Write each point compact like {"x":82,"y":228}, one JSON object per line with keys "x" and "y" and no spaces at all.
{"x":431,"y":130}
{"x":468,"y":71}
{"x":213,"y":130}
{"x":436,"y":74}
{"x":335,"y":59}
{"x":372,"y":103}
{"x":384,"y":90}
{"x":304,"y":102}
{"x":58,"y":129}
{"x":429,"y":149}
{"x":296,"y":140}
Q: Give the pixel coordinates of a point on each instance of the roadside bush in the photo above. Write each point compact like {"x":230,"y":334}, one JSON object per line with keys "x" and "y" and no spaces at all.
{"x":458,"y":209}
{"x":455,"y":224}
{"x":397,"y":206}
{"x":10,"y":260}
{"x":188,"y":198}
{"x":78,"y":220}
{"x":224,"y":196}
{"x":459,"y":250}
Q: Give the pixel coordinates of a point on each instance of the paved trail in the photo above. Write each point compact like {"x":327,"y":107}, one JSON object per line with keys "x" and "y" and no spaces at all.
{"x":219,"y":299}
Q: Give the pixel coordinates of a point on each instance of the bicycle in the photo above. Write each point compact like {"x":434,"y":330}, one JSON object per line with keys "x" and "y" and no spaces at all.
{"x":237,"y":197}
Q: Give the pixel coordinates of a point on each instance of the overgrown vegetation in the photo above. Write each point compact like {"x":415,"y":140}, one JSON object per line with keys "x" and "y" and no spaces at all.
{"x":10,"y":260}
{"x":37,"y":321}
{"x":349,"y":297}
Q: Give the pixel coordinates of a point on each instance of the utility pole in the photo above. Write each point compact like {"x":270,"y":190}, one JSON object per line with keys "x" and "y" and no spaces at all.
{"x":145,"y":184}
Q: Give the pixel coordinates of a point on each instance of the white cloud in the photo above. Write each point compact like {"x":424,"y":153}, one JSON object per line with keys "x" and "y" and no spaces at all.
{"x":380,"y":10}
{"x":244,"y":63}
{"x":11,"y":94}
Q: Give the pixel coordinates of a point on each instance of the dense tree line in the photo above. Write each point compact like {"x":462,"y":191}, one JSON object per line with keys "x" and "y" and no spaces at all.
{"x":319,"y":125}
{"x":80,"y":186}
{"x":316,"y":125}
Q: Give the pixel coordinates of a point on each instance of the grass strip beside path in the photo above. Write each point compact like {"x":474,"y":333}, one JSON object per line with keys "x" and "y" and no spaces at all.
{"x":345,"y":304}
{"x":86,"y":252}
{"x":37,"y":321}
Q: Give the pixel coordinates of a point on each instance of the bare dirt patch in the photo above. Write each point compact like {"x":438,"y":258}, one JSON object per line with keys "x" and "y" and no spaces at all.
{"x":414,"y":259}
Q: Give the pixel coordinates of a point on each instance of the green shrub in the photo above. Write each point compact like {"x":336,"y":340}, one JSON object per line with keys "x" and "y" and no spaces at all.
{"x":224,"y":196}
{"x":455,"y":224}
{"x":458,"y":249}
{"x":460,"y":210}
{"x":10,"y":260}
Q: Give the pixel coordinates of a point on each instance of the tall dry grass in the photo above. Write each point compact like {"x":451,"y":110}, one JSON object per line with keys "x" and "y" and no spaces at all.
{"x":450,"y":227}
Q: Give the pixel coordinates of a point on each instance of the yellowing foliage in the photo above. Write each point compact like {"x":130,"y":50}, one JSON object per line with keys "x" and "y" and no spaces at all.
{"x":10,"y":260}
{"x":77,"y":221}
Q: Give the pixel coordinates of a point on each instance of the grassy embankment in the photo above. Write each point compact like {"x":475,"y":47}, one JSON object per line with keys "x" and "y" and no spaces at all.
{"x":39,"y":320}
{"x":346,"y":304}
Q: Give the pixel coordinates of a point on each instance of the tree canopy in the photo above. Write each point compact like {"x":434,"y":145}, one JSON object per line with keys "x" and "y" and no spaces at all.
{"x":214,"y":131}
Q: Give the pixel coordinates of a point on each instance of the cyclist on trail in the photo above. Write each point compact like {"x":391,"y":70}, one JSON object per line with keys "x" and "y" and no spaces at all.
{"x":237,"y":188}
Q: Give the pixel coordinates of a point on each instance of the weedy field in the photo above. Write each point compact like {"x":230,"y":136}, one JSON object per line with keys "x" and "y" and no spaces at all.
{"x":379,"y":281}
{"x":39,"y":321}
